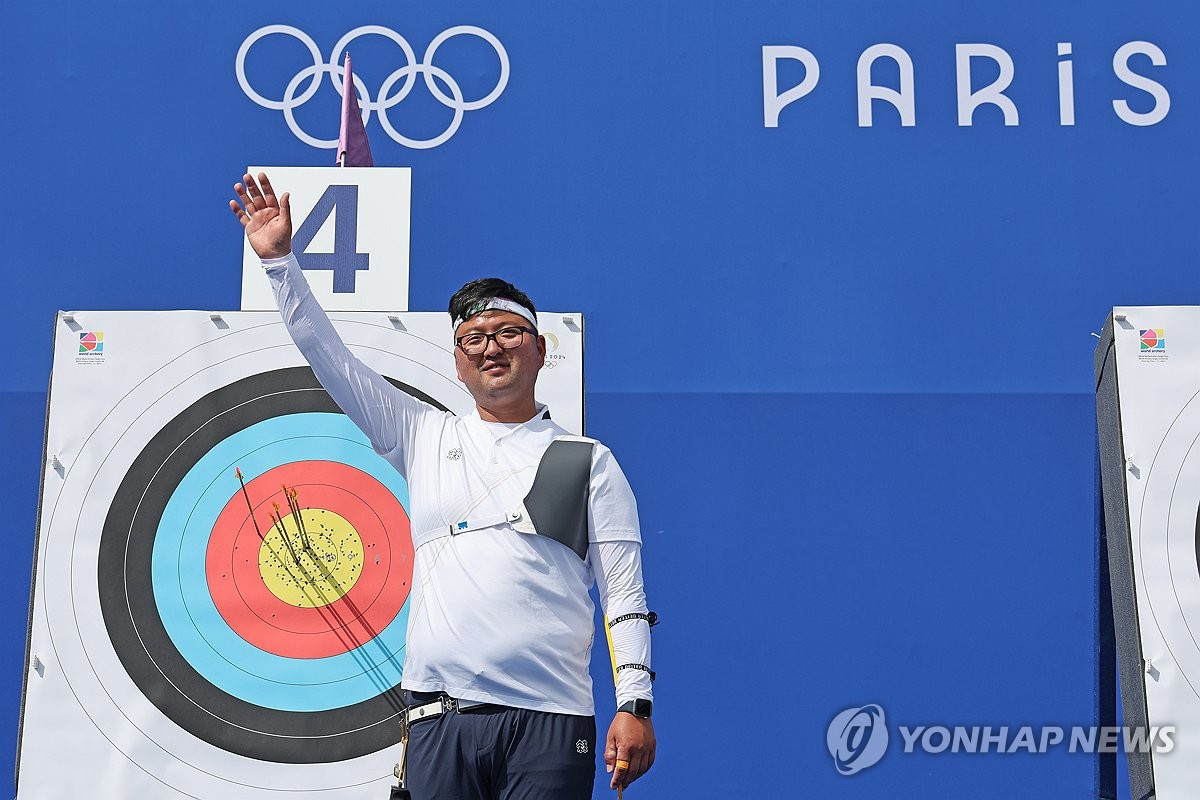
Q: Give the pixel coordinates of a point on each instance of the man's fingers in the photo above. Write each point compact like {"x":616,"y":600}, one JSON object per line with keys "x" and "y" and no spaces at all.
{"x":239,"y":212}
{"x":242,"y":195}
{"x":253,"y":190}
{"x":620,"y":770}
{"x":642,"y":767}
{"x":285,"y":208}
{"x":637,"y":763}
{"x":236,"y":206}
{"x":636,"y":768}
{"x":267,"y":190}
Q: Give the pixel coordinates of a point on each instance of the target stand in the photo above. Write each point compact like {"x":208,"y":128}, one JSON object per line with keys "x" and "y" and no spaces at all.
{"x":221,"y":592}
{"x":1147,"y":369}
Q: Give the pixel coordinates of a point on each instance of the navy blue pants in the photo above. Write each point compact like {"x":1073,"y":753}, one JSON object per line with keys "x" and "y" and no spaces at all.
{"x":500,"y":753}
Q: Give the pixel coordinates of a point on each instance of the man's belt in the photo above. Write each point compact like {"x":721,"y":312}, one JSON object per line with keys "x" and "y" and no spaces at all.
{"x":442,"y":705}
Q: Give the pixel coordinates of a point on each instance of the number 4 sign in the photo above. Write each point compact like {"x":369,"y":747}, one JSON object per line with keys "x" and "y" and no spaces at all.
{"x":349,"y":233}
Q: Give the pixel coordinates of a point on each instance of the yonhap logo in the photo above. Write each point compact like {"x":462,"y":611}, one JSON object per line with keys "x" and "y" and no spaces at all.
{"x":857,"y":738}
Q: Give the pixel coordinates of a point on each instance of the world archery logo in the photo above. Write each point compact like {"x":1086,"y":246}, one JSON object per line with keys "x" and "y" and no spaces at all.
{"x":857,"y":738}
{"x":391,"y":92}
{"x":1152,"y":339}
{"x":91,"y":342}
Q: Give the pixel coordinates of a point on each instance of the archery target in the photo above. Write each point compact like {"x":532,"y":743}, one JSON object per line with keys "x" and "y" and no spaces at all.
{"x":1158,"y":375}
{"x":233,"y":683}
{"x":188,"y":636}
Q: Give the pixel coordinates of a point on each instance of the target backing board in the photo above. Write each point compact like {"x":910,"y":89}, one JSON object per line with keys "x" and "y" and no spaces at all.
{"x":1158,"y":378}
{"x":200,"y":633}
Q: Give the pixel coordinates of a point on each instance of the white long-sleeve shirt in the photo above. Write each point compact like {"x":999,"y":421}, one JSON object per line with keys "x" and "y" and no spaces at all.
{"x":496,"y":615}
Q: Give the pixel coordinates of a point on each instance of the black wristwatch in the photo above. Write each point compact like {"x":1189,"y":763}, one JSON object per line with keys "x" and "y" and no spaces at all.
{"x":639,"y":708}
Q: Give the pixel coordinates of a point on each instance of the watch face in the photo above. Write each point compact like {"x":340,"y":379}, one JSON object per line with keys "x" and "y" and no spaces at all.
{"x":639,"y":708}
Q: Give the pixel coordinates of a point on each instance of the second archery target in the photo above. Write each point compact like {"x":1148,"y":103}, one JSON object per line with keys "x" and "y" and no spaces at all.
{"x":1158,"y":379}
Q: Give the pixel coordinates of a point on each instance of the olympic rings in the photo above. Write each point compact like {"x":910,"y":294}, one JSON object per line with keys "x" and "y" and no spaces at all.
{"x":294,"y":96}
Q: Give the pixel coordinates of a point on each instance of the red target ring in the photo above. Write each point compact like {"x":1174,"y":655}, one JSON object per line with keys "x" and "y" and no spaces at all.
{"x":339,"y":615}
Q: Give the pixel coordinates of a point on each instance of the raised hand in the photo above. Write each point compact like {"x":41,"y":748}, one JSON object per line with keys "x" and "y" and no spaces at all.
{"x":268,"y":222}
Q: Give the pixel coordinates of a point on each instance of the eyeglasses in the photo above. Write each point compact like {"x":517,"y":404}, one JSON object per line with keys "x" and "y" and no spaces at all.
{"x":507,"y":338}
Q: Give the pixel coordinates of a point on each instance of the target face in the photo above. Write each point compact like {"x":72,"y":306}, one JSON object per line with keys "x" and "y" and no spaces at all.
{"x":201,"y":635}
{"x":262,"y":635}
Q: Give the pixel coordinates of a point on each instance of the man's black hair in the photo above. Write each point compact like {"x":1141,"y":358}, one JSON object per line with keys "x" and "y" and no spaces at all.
{"x":470,"y":299}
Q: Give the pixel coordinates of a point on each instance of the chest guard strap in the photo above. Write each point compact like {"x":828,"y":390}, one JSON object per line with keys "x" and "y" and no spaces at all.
{"x":557,"y":502}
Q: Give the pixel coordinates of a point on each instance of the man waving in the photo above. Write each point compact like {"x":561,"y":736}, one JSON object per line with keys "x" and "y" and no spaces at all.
{"x":513,"y":519}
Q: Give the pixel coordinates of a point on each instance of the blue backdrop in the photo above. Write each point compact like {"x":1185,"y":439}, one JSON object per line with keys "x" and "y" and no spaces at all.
{"x":847,"y":368}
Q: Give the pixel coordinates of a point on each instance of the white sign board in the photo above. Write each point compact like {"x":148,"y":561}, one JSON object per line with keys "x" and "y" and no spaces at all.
{"x":1158,"y":380}
{"x":350,"y":229}
{"x":174,"y":650}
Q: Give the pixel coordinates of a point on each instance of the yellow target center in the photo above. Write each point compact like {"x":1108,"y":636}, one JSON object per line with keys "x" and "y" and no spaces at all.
{"x":313,"y":561}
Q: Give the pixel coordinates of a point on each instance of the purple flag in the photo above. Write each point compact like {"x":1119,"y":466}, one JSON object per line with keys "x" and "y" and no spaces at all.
{"x":353,"y":148}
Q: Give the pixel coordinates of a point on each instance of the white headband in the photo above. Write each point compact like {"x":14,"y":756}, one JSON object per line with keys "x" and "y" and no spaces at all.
{"x":499,"y":304}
